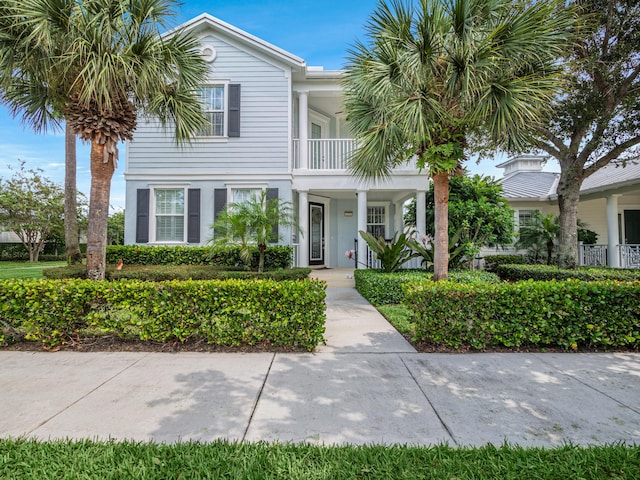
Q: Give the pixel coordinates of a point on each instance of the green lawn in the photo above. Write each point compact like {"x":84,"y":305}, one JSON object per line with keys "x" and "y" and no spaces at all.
{"x":399,"y":316}
{"x":25,"y":269}
{"x":27,"y":459}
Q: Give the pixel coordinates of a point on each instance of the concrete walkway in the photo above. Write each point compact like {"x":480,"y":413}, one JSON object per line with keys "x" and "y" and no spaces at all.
{"x":367,"y":385}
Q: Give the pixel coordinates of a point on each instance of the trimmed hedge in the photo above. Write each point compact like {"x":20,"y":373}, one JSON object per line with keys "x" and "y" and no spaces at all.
{"x":276,"y":256}
{"x":571,"y":314}
{"x":492,"y":262}
{"x":515,"y":273}
{"x":159,"y":273}
{"x":382,"y":288}
{"x":231,"y":312}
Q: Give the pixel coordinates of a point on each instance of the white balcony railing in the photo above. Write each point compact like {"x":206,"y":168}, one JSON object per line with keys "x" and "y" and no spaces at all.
{"x":325,"y":154}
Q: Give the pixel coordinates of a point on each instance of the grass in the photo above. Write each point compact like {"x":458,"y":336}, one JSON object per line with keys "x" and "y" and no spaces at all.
{"x":399,"y":316}
{"x":29,"y":459}
{"x":10,"y":270}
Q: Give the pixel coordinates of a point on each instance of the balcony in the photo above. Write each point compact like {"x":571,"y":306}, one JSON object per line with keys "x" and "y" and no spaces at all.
{"x":324,"y":154}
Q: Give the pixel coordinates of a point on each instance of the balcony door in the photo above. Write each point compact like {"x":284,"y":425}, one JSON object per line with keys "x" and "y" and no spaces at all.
{"x":316,"y":233}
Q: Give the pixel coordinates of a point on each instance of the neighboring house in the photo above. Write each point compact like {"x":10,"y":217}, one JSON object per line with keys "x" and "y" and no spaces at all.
{"x":276,"y":125}
{"x":609,"y":205}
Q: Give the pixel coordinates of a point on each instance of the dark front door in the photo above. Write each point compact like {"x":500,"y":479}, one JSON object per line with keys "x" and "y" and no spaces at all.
{"x":316,"y":234}
{"x":632,"y":227}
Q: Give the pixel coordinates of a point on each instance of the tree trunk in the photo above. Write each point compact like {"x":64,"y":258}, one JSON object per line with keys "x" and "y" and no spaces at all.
{"x":71,"y":241}
{"x":261,"y":249}
{"x":568,"y":201}
{"x":441,"y":241}
{"x":101,"y":174}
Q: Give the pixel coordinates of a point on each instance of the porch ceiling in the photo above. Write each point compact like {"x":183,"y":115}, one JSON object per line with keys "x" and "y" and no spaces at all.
{"x":372,"y":195}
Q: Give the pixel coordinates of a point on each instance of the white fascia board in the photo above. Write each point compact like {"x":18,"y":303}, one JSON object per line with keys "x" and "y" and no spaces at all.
{"x":206,"y":20}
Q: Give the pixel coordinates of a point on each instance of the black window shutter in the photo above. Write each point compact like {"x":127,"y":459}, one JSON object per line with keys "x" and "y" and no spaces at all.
{"x":272,"y":193}
{"x":193,"y":215}
{"x":234,"y":110}
{"x":142,"y":215}
{"x":219,"y":202}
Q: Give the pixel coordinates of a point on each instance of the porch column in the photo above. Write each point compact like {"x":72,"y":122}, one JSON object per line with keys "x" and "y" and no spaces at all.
{"x":398,"y":224}
{"x":612,"y":231}
{"x":421,"y":212}
{"x":303,"y":128}
{"x":303,"y":222}
{"x":362,"y":225}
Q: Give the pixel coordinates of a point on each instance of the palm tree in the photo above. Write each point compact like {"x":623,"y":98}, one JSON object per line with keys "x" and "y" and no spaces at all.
{"x":100,"y":63}
{"x":435,"y":77}
{"x":540,"y":233}
{"x":253,"y":222}
{"x":71,"y":240}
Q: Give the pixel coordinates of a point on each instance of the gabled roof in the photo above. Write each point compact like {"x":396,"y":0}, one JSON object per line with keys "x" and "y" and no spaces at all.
{"x":204,"y":21}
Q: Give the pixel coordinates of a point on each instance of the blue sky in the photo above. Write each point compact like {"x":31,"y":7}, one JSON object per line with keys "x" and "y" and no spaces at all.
{"x":319,"y":32}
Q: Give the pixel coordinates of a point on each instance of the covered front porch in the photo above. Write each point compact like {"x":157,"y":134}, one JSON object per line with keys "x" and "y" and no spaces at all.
{"x":330,"y":220}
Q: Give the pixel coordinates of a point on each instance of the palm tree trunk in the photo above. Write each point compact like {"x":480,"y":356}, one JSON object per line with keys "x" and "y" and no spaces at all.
{"x":101,"y":174}
{"x":71,"y":241}
{"x":261,"y":249}
{"x":441,"y":241}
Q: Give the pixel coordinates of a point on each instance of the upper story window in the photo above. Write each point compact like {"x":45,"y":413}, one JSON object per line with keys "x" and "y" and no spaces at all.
{"x":213,"y":99}
{"x":221,"y":106}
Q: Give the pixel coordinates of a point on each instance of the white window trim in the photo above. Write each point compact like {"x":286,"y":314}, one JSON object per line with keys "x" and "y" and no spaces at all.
{"x":231,"y":186}
{"x":225,"y":133}
{"x":152,"y":212}
{"x":387,"y":214}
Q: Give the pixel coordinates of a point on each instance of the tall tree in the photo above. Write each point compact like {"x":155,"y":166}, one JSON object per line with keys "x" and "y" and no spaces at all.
{"x":100,"y":63}
{"x":596,"y":117}
{"x":71,"y":232}
{"x":432,"y":77}
{"x":32,"y":207}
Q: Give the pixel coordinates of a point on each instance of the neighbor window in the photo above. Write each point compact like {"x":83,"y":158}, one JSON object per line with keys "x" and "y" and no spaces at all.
{"x":214,"y":101}
{"x":169,"y":213}
{"x":525,"y":217}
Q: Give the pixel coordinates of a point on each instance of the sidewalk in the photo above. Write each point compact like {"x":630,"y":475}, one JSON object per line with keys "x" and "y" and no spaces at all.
{"x":367,"y":385}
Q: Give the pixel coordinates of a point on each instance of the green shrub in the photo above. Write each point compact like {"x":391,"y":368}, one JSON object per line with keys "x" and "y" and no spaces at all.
{"x":492,"y":262}
{"x":158,"y":273}
{"x":382,"y":288}
{"x":514,"y":273}
{"x":276,"y":256}
{"x":230,"y":312}
{"x":571,"y":314}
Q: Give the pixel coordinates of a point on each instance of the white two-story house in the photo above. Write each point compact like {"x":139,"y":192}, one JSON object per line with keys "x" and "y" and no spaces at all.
{"x":278,"y":125}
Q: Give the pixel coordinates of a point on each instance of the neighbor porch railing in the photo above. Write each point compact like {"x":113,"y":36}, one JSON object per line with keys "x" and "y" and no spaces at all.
{"x":593,"y":255}
{"x":597,"y":255}
{"x":629,"y":256}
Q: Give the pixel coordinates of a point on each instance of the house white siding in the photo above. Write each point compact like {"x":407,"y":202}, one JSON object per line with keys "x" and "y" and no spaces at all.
{"x":263,"y":144}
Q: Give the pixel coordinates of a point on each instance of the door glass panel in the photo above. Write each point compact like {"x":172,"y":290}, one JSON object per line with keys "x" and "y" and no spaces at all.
{"x":316,"y":253}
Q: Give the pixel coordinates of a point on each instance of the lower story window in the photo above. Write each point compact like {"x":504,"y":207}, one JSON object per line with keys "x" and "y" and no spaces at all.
{"x":525,"y":217}
{"x":242,"y":195}
{"x":169,"y":215}
{"x":376,"y":221}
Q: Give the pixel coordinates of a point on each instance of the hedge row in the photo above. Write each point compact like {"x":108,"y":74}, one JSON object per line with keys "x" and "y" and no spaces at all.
{"x":159,"y":273}
{"x":514,"y":273}
{"x":276,"y":256}
{"x":492,"y":262}
{"x":572,"y":314}
{"x":382,"y":288}
{"x":231,"y":312}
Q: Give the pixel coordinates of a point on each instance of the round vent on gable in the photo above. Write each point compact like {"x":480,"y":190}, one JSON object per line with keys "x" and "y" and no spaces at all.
{"x":208,"y":53}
